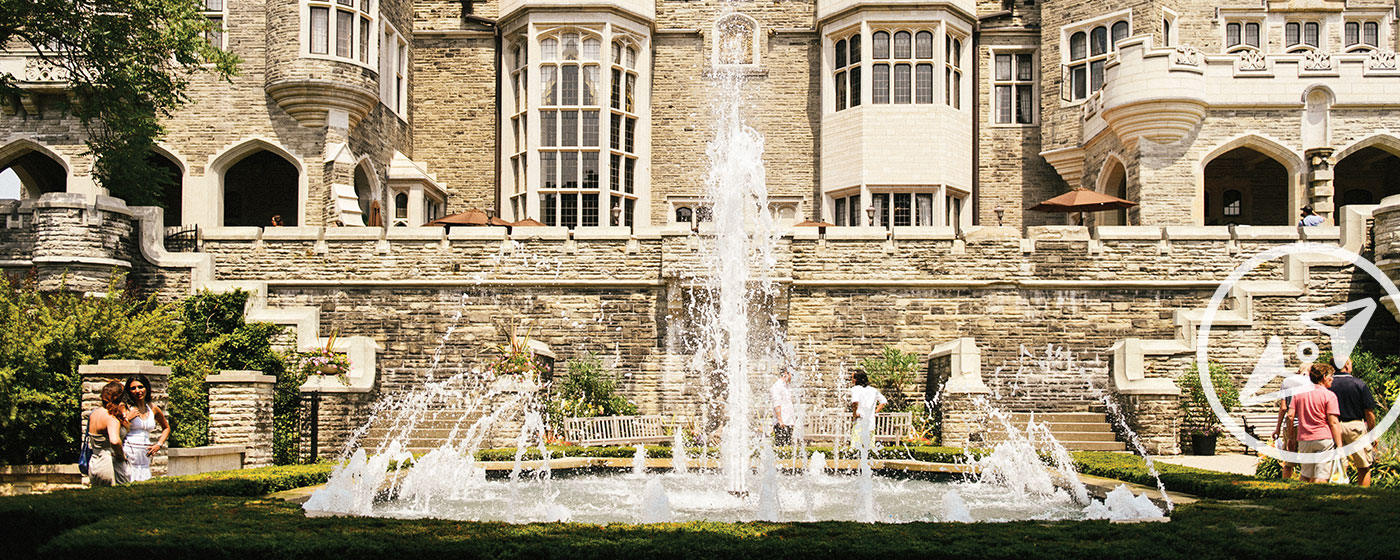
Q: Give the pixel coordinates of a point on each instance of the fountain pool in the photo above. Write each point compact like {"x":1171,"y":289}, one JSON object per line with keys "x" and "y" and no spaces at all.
{"x":624,"y":498}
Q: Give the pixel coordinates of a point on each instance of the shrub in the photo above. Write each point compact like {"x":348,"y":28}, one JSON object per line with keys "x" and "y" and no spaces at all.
{"x":45,"y":338}
{"x":588,"y":391}
{"x":892,"y":372}
{"x":217,"y":338}
{"x":1197,"y":416}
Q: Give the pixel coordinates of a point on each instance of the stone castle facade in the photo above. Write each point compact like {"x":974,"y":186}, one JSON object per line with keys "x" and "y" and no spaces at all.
{"x":923,"y":130}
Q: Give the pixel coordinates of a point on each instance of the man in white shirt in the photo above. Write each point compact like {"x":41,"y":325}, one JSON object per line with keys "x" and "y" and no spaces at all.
{"x":783,"y":419}
{"x":866,"y":401}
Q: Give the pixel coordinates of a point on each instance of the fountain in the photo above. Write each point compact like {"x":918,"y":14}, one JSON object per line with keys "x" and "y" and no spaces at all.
{"x":1011,"y":483}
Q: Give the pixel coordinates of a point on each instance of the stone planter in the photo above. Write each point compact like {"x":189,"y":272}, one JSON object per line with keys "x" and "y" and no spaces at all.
{"x":210,"y":458}
{"x":1202,"y":444}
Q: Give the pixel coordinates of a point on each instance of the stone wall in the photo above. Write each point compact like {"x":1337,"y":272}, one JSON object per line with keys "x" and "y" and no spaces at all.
{"x":240,"y":413}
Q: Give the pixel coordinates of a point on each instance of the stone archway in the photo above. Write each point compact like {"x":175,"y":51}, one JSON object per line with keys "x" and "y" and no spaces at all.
{"x":172,"y":196}
{"x":36,"y":173}
{"x":259,"y":186}
{"x":1366,"y":176}
{"x":1258,"y":186}
{"x":1113,"y":181}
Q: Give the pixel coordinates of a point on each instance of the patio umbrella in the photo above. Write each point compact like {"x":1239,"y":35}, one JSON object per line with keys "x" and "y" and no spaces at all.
{"x":498,"y":221}
{"x":1083,"y":200}
{"x":821,"y":226}
{"x":528,"y":222}
{"x":468,"y":218}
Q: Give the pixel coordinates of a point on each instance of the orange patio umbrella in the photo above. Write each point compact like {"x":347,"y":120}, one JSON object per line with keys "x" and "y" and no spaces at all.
{"x":469,"y":218}
{"x":1083,"y":200}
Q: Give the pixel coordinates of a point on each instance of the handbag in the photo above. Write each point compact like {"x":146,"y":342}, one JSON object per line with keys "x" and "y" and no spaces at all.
{"x":85,"y":452}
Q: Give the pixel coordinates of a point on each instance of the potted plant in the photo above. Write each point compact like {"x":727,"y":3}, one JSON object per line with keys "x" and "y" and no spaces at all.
{"x":1199,"y":423}
{"x":324,"y":361}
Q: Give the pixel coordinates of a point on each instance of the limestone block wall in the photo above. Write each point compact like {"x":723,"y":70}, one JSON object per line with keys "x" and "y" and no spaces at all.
{"x":240,"y":413}
{"x":80,"y":246}
{"x":17,"y":235}
{"x":783,"y":103}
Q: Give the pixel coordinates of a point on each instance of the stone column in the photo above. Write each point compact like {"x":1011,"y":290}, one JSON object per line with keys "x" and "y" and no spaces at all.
{"x":95,"y":376}
{"x":240,"y":413}
{"x":1320,"y":190}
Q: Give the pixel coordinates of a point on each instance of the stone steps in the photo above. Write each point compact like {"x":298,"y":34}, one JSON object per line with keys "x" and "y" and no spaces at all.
{"x":1077,"y":431}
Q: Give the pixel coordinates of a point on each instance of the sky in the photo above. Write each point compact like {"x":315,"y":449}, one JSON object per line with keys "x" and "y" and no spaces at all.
{"x":9,"y":184}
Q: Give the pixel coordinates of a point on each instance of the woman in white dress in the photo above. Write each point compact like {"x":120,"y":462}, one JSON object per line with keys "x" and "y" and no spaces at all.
{"x":146,"y":419}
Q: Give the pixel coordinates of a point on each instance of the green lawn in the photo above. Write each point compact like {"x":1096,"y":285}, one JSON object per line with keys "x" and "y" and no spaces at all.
{"x":226,"y":515}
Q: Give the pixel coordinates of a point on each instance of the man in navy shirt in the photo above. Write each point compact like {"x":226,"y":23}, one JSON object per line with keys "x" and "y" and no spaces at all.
{"x":1357,"y":418}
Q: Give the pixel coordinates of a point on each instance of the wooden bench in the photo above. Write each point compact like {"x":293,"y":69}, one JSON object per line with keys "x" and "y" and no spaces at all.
{"x":617,"y":430}
{"x":1260,"y":425}
{"x":889,"y":426}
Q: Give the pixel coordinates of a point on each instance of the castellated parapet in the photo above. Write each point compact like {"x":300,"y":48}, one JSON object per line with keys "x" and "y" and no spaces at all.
{"x":1062,"y":317}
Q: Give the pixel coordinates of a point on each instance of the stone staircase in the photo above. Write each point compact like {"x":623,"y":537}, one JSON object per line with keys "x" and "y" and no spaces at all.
{"x":1077,"y":431}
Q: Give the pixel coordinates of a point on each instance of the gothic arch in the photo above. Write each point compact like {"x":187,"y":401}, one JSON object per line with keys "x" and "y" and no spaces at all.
{"x":39,"y":168}
{"x":230,"y":159}
{"x":1113,"y":180}
{"x":1381,"y":140}
{"x":1275,"y":194}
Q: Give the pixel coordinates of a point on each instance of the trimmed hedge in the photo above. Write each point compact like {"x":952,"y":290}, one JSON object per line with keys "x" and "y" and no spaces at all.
{"x":932,"y":454}
{"x":1177,"y":478}
{"x":225,"y":515}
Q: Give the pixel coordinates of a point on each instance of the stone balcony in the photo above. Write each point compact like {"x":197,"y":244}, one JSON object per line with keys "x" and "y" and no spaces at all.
{"x":641,"y":9}
{"x":35,"y":76}
{"x":1162,"y":94}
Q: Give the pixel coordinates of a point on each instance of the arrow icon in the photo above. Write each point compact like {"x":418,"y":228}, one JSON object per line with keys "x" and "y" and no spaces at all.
{"x":1344,"y":339}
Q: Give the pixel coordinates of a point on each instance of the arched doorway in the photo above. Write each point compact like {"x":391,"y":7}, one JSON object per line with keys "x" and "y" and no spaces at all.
{"x":30,"y":174}
{"x":1247,"y":187}
{"x":366,"y":196}
{"x":1113,"y":182}
{"x":258,"y":187}
{"x":172,"y":187}
{"x":1366,"y":176}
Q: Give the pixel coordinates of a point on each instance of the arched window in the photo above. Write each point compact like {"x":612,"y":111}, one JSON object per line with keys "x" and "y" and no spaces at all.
{"x":569,"y":127}
{"x":953,"y":71}
{"x":1089,"y":50}
{"x":401,"y":206}
{"x":1234,"y":203}
{"x":258,"y":187}
{"x":1303,"y":35}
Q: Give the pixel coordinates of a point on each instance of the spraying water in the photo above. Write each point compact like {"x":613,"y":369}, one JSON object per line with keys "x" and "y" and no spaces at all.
{"x":741,"y":261}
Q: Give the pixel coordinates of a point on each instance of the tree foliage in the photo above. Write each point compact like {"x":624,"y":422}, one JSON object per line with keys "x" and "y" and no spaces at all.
{"x":45,"y":338}
{"x":129,"y":63}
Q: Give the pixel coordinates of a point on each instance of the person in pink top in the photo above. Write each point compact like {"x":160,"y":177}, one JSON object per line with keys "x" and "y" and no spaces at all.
{"x":1317,"y":413}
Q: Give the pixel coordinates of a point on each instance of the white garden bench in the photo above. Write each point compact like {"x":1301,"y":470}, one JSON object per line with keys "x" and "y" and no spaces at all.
{"x":889,"y":426}
{"x":616,"y":430}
